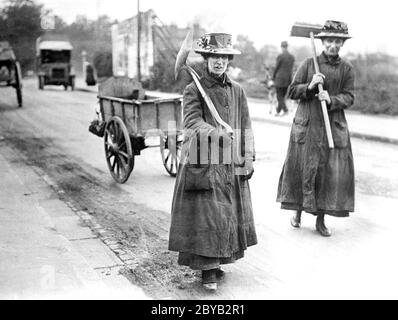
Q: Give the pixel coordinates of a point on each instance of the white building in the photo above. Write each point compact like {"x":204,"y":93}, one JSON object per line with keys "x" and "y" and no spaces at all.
{"x":124,"y":46}
{"x":157,"y":43}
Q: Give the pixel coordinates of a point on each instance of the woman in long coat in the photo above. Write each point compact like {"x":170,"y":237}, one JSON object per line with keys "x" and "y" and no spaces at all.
{"x":212,"y":218}
{"x":314,"y":178}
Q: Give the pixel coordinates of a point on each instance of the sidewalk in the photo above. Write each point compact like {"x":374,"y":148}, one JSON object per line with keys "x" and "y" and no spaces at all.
{"x":371,"y":127}
{"x":46,"y":251}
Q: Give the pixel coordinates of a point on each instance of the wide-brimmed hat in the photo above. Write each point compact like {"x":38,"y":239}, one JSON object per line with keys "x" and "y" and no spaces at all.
{"x":334,"y":29}
{"x":216,"y":43}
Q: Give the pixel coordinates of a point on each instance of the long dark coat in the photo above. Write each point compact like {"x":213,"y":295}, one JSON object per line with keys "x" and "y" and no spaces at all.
{"x":283,"y":71}
{"x":212,"y":211}
{"x":314,"y":178}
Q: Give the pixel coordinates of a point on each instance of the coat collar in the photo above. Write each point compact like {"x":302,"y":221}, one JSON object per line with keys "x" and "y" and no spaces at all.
{"x":323,"y":58}
{"x":210,"y":81}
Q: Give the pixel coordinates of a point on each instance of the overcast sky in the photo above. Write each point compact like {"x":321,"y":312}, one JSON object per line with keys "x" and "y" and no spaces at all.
{"x":371,"y":23}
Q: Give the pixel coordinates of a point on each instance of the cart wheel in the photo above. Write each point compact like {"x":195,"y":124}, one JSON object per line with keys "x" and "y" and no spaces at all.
{"x":118,"y":150}
{"x":18,"y":83}
{"x":41,"y":82}
{"x":19,"y":96}
{"x":170,"y":150}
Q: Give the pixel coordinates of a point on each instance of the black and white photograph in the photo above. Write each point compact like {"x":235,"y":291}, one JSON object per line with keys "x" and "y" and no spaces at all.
{"x":185,"y":150}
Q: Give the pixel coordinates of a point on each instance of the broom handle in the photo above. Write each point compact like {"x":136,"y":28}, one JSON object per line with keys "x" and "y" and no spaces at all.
{"x":323,"y":103}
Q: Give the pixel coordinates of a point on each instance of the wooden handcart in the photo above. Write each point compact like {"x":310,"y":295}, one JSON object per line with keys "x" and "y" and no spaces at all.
{"x":129,"y":117}
{"x":10,"y":70}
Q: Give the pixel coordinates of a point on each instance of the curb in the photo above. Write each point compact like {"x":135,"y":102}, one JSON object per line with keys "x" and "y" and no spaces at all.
{"x":83,"y":270}
{"x":353,"y":134}
{"x":370,"y":137}
{"x":126,"y":260}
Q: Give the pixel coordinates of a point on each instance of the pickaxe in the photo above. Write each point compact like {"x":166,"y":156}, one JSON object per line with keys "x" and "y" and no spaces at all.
{"x":308,"y":31}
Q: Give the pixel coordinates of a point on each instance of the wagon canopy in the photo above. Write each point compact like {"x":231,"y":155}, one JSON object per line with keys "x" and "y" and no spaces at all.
{"x":55,"y":45}
{"x":6,"y":52}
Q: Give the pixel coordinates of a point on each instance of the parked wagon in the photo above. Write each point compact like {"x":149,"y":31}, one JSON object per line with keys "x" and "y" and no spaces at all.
{"x":129,"y":117}
{"x":10,"y":70}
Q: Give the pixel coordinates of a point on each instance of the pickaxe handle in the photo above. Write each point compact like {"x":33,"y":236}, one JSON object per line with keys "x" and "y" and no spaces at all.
{"x":208,"y":101}
{"x":180,"y":62}
{"x":323,"y":103}
{"x":236,"y":150}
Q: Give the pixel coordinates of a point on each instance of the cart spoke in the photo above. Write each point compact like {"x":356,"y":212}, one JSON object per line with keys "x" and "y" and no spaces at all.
{"x":121,"y":169}
{"x":112,"y":129}
{"x":113,"y":165}
{"x":124,"y":154}
{"x":109,"y":129}
{"x":117,"y":167}
{"x":123,"y":162}
{"x":121,"y":140}
{"x":167,"y":158}
{"x":172,"y":167}
{"x":109,"y":140}
{"x":122,"y":144}
{"x":112,"y":133}
{"x":119,"y":134}
{"x":115,"y":132}
{"x":108,"y":143}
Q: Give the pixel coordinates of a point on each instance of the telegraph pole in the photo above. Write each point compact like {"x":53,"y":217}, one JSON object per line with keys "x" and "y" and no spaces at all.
{"x":138,"y":41}
{"x":97,"y":31}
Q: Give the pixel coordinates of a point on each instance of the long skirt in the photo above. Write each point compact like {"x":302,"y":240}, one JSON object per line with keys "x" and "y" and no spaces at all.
{"x":196,"y":262}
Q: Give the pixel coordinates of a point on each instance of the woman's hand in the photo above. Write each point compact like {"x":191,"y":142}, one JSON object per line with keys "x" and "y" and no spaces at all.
{"x":249,"y":168}
{"x":324,"y":96}
{"x":245,"y":172}
{"x":317,"y":78}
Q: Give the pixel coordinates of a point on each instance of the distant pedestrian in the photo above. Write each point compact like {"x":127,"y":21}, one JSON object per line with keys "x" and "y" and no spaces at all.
{"x":283,"y":76}
{"x":91,"y":77}
{"x":314,"y":178}
{"x":269,"y":83}
{"x":212,"y":219}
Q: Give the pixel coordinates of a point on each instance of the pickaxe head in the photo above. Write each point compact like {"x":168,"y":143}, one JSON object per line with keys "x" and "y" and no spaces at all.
{"x":183,"y":54}
{"x":301,"y":29}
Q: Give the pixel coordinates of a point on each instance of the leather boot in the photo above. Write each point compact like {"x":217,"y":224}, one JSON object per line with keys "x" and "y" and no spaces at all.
{"x":220,"y":273}
{"x":209,"y":279}
{"x":320,"y":225}
{"x":295,"y":221}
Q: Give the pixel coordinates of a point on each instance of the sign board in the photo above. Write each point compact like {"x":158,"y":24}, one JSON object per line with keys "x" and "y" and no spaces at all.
{"x":47,"y":22}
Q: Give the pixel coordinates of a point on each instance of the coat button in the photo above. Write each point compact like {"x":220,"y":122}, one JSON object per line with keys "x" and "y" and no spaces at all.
{"x":226,"y":107}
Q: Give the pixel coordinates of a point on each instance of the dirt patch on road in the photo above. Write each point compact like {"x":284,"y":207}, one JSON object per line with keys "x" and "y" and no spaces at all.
{"x":138,"y":234}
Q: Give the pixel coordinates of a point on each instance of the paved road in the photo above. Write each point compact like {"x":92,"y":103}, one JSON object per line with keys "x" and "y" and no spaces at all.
{"x":359,"y":261}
